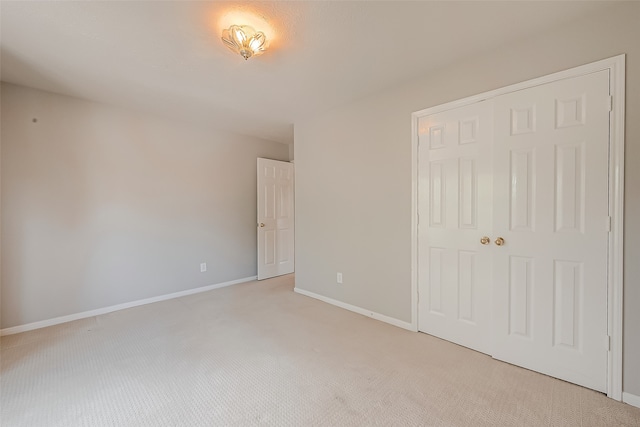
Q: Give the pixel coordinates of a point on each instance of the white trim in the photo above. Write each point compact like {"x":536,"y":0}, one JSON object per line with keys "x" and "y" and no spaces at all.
{"x":105,"y":310}
{"x":616,"y":211}
{"x":359,"y":310}
{"x":631,"y":399}
{"x":605,"y":64}
{"x":414,"y":222}
{"x":616,"y":67}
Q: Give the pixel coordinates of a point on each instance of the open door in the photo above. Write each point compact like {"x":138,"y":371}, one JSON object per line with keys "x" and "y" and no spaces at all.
{"x":275,"y":218}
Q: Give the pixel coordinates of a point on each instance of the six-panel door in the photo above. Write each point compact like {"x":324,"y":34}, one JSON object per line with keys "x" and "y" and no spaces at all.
{"x":455,"y":210}
{"x":275,"y":218}
{"x":551,"y":208}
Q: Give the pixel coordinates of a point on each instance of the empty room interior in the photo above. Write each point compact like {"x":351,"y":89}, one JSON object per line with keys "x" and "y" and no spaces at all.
{"x":320,"y":213}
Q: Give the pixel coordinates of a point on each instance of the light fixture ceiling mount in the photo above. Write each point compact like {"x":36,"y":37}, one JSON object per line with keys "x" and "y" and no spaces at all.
{"x":244,"y":40}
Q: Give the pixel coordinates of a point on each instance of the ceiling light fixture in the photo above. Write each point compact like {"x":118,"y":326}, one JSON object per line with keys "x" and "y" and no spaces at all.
{"x":244,"y":40}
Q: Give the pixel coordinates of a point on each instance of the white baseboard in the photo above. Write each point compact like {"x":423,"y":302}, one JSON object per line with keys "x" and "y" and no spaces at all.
{"x":631,"y":399}
{"x":359,"y":310}
{"x":105,"y":310}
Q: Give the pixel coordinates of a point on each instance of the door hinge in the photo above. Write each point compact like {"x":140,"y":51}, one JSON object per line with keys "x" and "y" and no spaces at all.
{"x":610,"y":103}
{"x":607,"y":343}
{"x":608,"y":223}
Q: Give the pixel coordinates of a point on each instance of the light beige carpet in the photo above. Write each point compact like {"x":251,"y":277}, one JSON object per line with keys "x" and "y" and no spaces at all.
{"x":259,"y":354}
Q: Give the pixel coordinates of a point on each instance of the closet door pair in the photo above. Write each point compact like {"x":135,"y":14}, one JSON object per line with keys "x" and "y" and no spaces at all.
{"x":514,"y":227}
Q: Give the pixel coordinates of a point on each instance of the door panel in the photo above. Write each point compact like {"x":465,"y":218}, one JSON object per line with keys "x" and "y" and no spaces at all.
{"x":551,"y":206}
{"x":275,"y":218}
{"x":520,"y":300}
{"x":454,"y":183}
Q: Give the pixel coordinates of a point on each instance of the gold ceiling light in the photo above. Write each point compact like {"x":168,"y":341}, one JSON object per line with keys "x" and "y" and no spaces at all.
{"x":244,"y":40}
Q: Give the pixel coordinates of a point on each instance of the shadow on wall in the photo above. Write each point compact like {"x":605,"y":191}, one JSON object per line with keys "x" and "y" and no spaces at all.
{"x":103,"y":206}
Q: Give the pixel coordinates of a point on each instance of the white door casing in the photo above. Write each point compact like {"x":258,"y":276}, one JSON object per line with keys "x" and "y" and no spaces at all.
{"x":551,"y":207}
{"x":565,"y":270}
{"x":275,"y":218}
{"x":455,"y":156}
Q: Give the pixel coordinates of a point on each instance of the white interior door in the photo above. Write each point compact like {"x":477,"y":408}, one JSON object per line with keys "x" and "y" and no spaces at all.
{"x":455,"y":213}
{"x":275,"y":218}
{"x":551,"y":209}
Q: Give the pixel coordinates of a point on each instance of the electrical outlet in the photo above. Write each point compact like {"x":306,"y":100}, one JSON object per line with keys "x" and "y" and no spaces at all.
{"x":203,"y":267}
{"x":339,"y":278}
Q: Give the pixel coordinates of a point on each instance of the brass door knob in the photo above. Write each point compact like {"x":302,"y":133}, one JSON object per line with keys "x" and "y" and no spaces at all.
{"x":262,"y":224}
{"x":485,"y":240}
{"x":500,"y":241}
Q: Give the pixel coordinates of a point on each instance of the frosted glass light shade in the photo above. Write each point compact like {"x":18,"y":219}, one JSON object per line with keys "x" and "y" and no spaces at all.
{"x":244,"y":40}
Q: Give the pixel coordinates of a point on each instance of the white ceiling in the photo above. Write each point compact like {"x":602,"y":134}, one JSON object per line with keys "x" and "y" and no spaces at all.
{"x":166,"y":57}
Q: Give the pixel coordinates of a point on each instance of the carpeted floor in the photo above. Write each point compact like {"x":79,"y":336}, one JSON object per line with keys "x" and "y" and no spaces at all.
{"x":259,"y":354}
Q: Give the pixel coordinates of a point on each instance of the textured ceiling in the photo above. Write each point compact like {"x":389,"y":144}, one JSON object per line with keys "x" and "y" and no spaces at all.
{"x":166,"y":56}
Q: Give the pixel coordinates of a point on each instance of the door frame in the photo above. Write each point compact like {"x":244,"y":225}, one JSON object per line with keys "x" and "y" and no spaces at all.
{"x":616,"y":67}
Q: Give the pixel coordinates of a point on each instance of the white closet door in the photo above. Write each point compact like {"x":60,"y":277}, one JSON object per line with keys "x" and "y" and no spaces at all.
{"x":455,"y":213}
{"x":551,"y":208}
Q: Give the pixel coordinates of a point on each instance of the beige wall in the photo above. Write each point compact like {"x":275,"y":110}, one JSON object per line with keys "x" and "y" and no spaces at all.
{"x":353,"y":170}
{"x":102,"y":206}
